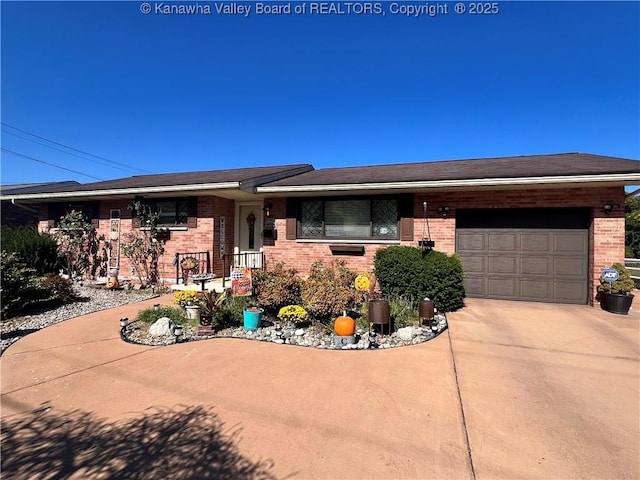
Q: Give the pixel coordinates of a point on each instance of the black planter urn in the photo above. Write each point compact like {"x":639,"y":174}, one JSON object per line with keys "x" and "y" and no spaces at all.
{"x":616,"y":303}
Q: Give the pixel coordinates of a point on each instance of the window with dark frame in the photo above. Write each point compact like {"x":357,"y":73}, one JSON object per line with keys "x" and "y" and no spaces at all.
{"x":173,"y":211}
{"x":349,"y":218}
{"x":89,"y":209}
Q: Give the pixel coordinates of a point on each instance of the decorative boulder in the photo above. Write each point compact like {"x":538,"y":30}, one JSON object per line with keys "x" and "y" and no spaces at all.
{"x":405,"y":333}
{"x":161,"y":327}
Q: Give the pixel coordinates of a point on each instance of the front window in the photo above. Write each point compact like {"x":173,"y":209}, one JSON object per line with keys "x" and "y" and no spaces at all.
{"x":172,"y":211}
{"x":357,"y":218}
{"x":58,"y":210}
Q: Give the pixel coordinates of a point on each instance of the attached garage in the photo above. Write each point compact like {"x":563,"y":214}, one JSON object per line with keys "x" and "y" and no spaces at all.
{"x":525,"y":254}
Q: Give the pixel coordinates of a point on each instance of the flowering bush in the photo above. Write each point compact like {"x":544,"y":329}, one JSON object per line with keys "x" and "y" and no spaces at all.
{"x":77,"y":243}
{"x":293,"y":314}
{"x":185,"y":297}
{"x":145,"y":247}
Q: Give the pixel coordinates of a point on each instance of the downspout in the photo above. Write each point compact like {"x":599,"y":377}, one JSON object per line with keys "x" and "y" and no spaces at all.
{"x":24,"y":207}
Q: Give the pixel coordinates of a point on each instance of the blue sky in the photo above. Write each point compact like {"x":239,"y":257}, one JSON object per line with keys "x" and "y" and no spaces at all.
{"x":166,"y":93}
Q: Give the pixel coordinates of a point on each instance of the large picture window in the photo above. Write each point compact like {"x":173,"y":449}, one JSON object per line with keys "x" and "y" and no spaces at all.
{"x":358,"y":218}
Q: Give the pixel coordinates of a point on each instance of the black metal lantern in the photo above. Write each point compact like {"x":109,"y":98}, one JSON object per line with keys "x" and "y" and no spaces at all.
{"x":177,"y":331}
{"x":373,"y":340}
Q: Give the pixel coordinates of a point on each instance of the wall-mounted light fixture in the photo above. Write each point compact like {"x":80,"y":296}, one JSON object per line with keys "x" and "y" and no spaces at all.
{"x":426,"y":243}
{"x":444,"y":211}
{"x":267,"y":209}
{"x":609,"y":207}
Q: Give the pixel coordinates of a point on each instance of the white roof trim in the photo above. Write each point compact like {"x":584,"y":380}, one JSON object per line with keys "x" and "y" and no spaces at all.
{"x":124,"y":191}
{"x":618,"y":177}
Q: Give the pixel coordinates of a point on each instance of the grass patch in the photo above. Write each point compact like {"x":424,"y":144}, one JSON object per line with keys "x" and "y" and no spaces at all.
{"x":177,"y":316}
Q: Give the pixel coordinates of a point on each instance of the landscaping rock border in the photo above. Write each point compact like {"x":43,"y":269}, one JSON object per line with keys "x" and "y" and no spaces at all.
{"x":313,"y":336}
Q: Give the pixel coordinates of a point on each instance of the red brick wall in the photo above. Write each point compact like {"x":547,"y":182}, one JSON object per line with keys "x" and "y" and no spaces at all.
{"x":606,"y":237}
{"x":606,"y":232}
{"x":204,"y":238}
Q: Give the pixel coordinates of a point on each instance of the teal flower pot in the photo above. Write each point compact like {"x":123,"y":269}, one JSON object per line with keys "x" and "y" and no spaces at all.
{"x":252,"y":318}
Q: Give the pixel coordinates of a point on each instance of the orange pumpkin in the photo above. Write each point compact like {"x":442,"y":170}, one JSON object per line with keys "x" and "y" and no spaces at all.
{"x":344,"y":325}
{"x":112,"y":283}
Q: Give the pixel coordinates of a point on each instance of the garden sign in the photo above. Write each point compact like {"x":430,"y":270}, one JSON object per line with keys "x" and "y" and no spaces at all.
{"x":610,"y":275}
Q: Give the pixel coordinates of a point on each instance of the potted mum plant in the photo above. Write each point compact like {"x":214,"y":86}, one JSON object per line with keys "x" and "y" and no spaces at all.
{"x":188,"y":299}
{"x":292,"y":315}
{"x":615,"y":296}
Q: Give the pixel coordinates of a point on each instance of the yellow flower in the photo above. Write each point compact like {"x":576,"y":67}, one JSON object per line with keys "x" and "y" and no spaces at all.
{"x":362,"y":283}
{"x":293,"y":313}
{"x":185,"y":297}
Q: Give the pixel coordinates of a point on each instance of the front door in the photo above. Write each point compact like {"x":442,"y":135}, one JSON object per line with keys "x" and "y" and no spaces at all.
{"x":249,"y":236}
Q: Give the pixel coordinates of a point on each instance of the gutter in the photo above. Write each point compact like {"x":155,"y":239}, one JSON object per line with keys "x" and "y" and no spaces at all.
{"x":127,"y":191}
{"x":617,"y":177}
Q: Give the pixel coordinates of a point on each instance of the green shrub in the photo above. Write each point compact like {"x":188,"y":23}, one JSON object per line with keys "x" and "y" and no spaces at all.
{"x":19,"y":288}
{"x":623,"y":285}
{"x":176,"y":314}
{"x":328,"y":291}
{"x":231,"y":313}
{"x":60,"y":289}
{"x":446,"y":281}
{"x":411,"y":274}
{"x":401,"y":272}
{"x":277,"y":288}
{"x":38,"y":250}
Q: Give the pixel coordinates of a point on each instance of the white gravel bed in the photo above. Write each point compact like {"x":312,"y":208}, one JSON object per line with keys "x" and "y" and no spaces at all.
{"x":98,"y":299}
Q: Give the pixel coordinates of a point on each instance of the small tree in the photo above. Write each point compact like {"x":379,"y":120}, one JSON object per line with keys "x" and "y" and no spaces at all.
{"x":77,"y":244}
{"x":145,"y":247}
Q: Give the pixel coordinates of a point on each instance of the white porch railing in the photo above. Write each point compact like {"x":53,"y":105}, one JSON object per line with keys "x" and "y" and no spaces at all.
{"x":633,"y":265}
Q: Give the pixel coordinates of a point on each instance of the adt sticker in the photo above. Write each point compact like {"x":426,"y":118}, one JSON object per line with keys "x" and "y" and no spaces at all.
{"x":610,"y":275}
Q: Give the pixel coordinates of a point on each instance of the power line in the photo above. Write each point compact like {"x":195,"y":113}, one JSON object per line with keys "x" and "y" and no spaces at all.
{"x":47,"y":163}
{"x":131,"y":170}
{"x":74,"y":149}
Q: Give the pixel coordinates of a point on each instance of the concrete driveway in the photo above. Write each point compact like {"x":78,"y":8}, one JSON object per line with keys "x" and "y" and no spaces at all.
{"x":512,"y":390}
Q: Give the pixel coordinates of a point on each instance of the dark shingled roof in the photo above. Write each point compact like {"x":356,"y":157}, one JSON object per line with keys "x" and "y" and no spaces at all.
{"x":562,"y":164}
{"x":174,"y":179}
{"x":36,"y":187}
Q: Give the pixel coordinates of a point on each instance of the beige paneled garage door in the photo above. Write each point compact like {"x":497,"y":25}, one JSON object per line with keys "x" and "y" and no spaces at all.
{"x":534,"y":264}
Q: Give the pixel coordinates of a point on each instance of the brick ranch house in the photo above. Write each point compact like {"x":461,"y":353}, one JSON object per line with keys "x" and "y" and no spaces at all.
{"x":536,"y":228}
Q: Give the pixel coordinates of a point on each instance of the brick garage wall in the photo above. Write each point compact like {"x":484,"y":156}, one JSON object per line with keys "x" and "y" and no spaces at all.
{"x":606,"y":243}
{"x":606,"y":234}
{"x":204,"y":238}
